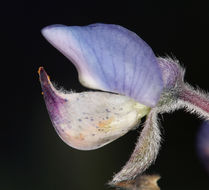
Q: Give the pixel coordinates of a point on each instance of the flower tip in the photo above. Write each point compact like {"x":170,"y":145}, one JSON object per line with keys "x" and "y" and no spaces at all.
{"x":49,"y":31}
{"x":43,"y":77}
{"x":46,"y":30}
{"x":40,"y":69}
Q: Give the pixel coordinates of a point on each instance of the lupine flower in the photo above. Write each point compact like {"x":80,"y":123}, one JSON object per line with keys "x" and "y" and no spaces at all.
{"x":203,"y":144}
{"x":133,"y":83}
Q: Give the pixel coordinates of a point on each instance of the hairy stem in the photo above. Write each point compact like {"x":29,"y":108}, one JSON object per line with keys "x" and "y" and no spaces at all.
{"x":145,"y":152}
{"x":195,"y":101}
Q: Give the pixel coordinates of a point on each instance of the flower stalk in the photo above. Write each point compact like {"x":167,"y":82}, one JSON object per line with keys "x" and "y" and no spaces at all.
{"x":195,"y":101}
{"x":145,"y":152}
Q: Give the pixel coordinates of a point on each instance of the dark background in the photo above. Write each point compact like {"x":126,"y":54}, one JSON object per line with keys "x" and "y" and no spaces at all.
{"x":33,"y":157}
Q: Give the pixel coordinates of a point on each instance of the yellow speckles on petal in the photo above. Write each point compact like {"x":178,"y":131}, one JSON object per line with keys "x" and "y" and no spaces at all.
{"x":105,"y":125}
{"x":80,"y":137}
{"x":106,"y":122}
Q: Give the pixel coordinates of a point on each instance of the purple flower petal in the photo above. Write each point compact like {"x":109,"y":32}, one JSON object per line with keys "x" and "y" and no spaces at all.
{"x":110,"y":58}
{"x":203,"y":144}
{"x":90,"y":120}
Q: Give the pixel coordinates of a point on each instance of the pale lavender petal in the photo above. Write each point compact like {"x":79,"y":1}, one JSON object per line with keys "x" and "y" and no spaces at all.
{"x":203,"y":144}
{"x":110,"y":58}
{"x":89,"y":120}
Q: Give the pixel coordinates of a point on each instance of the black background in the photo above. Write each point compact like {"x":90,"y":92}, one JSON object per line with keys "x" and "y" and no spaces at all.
{"x":33,"y":157}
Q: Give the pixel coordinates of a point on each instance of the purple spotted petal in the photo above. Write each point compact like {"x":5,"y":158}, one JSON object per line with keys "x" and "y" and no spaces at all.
{"x":89,"y":120}
{"x":203,"y":144}
{"x":110,"y":58}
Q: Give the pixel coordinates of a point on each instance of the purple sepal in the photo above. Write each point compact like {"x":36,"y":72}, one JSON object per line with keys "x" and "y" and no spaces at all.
{"x":171,"y":72}
{"x":110,"y":58}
